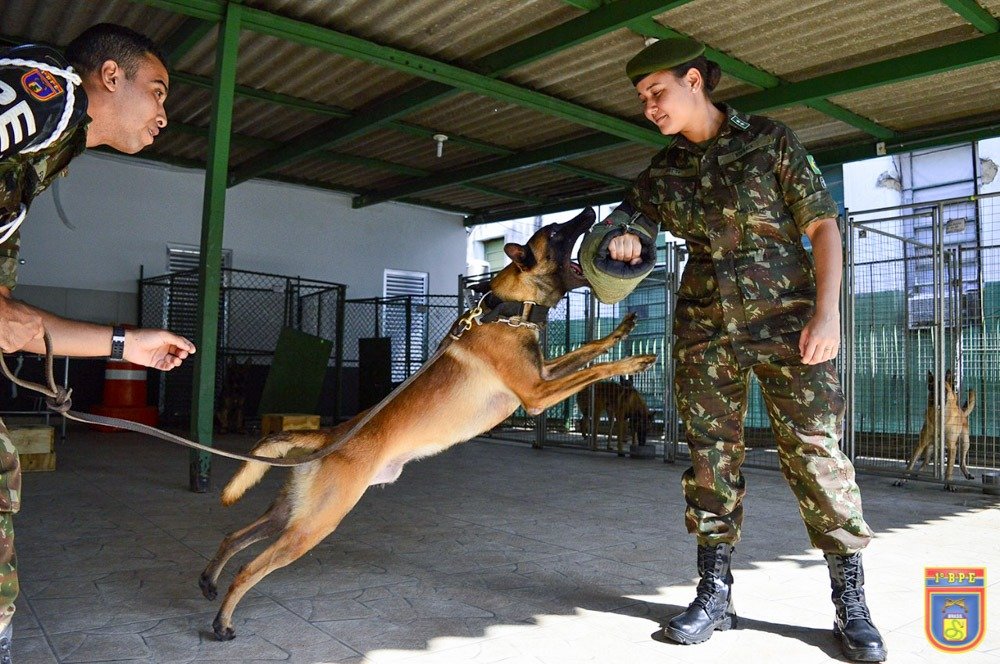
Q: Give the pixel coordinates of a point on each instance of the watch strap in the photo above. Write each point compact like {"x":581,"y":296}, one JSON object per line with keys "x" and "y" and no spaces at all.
{"x":118,"y":343}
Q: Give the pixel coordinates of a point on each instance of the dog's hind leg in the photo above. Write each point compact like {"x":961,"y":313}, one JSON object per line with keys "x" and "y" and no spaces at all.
{"x":272,"y":522}
{"x":314,"y":517}
{"x":963,"y":442}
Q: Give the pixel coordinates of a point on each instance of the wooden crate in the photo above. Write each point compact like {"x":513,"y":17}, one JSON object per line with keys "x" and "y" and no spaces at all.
{"x":274,"y":422}
{"x":35,"y":447}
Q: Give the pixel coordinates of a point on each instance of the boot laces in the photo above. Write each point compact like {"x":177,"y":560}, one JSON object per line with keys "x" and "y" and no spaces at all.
{"x":852,"y":594}
{"x":710,"y":579}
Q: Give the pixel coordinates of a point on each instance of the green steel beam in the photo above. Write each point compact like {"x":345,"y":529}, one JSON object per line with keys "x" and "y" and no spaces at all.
{"x":895,"y":70}
{"x":903,"y":142}
{"x":974,"y":13}
{"x":184,"y":38}
{"x":849,"y":117}
{"x":591,"y":25}
{"x":575,"y":203}
{"x":210,"y":258}
{"x":519,"y":161}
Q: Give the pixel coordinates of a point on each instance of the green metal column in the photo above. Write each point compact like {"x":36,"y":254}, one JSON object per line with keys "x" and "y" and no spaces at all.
{"x":210,"y":260}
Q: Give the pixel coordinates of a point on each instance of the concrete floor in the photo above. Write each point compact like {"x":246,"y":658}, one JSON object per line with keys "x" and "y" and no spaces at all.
{"x":491,"y":552}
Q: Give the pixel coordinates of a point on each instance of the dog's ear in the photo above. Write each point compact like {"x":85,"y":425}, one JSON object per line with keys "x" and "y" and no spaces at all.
{"x":521,"y":255}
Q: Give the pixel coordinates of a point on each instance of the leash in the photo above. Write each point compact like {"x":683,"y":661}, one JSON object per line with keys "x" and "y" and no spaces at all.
{"x":58,"y":400}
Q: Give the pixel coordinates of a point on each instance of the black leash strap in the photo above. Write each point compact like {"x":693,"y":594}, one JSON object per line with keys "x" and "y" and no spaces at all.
{"x":58,"y":400}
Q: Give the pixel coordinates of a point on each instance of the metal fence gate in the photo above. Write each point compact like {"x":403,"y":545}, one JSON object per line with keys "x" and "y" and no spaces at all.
{"x":253,"y":309}
{"x":922,"y":303}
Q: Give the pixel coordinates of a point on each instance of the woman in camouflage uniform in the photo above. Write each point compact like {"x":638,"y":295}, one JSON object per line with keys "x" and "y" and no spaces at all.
{"x":741,"y":191}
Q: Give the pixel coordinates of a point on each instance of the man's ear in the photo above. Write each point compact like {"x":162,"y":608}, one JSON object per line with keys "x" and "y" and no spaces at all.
{"x":111,"y":75}
{"x":520,"y":255}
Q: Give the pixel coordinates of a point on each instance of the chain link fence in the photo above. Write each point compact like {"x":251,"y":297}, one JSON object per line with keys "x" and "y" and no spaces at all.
{"x":253,"y":309}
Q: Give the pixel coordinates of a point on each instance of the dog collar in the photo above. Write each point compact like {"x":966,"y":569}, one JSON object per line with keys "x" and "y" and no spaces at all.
{"x":491,"y":309}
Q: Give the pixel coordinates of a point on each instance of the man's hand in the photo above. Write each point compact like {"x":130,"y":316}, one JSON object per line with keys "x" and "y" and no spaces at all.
{"x":19,"y":324}
{"x":626,"y":248}
{"x":158,"y":349}
{"x":820,"y":338}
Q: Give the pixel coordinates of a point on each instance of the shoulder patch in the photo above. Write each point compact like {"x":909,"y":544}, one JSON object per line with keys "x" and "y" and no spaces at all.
{"x":813,"y":166}
{"x":739,"y":122}
{"x":41,"y":85}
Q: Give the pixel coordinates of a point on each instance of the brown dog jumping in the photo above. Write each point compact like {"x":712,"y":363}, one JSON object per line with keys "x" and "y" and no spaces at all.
{"x":490,"y":364}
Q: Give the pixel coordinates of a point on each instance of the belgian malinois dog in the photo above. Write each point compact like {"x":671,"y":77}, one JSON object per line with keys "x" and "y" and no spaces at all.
{"x":956,"y":432}
{"x":480,"y":374}
{"x":626,"y":410}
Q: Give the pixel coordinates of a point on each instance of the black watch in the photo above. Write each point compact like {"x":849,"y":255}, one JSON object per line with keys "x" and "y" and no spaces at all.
{"x":118,"y":343}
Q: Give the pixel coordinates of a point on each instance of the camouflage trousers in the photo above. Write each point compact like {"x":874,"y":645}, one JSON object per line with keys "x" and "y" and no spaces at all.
{"x":10,"y":502}
{"x":806,"y":408}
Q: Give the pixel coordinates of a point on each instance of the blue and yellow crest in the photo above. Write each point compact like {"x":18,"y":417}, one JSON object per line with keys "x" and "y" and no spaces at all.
{"x":955,"y":607}
{"x":41,"y":85}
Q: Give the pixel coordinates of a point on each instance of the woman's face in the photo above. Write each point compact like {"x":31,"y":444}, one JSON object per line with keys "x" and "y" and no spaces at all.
{"x":667,"y":101}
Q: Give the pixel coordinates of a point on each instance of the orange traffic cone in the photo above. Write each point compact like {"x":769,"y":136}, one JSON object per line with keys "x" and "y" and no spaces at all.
{"x":125,"y":395}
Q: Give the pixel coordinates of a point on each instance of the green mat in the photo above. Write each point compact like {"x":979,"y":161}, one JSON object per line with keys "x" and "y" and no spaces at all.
{"x":295,"y":381}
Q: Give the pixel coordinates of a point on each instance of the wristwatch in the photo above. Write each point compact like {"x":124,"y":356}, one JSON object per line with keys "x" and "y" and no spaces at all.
{"x":118,"y":343}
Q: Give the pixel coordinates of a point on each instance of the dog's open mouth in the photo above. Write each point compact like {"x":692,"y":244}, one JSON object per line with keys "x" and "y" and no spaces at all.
{"x":574,"y":275}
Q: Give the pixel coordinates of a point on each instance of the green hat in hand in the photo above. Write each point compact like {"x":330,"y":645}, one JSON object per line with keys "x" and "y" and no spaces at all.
{"x":664,"y":54}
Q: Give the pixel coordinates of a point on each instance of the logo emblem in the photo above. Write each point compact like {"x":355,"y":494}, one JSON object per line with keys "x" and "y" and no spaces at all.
{"x":955,"y":607}
{"x":41,"y":85}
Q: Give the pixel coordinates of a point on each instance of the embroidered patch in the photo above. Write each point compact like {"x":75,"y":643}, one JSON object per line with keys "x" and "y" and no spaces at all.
{"x":739,"y":122}
{"x":812,"y":165}
{"x":41,"y":85}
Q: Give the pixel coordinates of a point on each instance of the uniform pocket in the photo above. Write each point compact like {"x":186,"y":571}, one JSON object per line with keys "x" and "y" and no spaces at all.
{"x":674,"y":193}
{"x":779,"y":293}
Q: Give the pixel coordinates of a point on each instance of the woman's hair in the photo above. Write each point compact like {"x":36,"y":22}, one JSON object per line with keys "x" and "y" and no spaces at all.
{"x":107,"y":41}
{"x":710,"y":71}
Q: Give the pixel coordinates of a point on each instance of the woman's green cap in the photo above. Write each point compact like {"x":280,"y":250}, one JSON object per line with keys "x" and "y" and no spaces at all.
{"x":664,"y":54}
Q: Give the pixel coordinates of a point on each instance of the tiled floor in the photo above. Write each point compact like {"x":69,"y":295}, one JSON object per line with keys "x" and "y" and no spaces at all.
{"x":491,"y":552}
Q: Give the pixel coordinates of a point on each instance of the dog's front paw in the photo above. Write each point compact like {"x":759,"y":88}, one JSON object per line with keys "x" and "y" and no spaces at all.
{"x":950,"y":487}
{"x":625,"y":327}
{"x":637,"y":363}
{"x":899,"y":483}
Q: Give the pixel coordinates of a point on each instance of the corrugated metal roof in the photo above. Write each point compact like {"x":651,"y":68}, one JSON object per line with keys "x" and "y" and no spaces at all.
{"x":312,"y":90}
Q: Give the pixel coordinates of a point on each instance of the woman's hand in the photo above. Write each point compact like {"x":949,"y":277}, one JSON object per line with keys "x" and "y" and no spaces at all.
{"x":158,"y":349}
{"x":626,"y":248}
{"x":820,"y":338}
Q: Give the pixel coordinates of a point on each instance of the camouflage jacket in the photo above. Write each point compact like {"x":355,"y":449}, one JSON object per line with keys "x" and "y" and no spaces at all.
{"x":742,"y":204}
{"x":24,"y":176}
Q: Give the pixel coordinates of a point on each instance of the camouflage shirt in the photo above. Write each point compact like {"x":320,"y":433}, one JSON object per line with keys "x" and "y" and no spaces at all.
{"x":741,"y":202}
{"x":23,"y":178}
{"x":25,"y":175}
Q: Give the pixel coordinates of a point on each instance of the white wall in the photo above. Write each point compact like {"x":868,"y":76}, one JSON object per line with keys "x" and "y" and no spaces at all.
{"x":126,"y":210}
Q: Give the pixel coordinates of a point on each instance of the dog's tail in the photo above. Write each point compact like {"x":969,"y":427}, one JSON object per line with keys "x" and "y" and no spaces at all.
{"x":970,"y":404}
{"x":275,"y":446}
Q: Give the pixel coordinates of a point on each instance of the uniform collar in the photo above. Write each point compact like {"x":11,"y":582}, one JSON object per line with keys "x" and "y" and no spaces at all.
{"x":735,"y":123}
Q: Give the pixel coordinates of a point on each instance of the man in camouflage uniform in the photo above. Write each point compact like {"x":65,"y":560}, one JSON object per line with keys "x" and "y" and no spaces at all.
{"x":742,"y":199}
{"x":49,"y":113}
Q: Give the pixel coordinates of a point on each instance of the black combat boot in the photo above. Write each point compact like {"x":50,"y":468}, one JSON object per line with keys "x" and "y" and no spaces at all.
{"x":712,"y":608}
{"x":859,"y":639}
